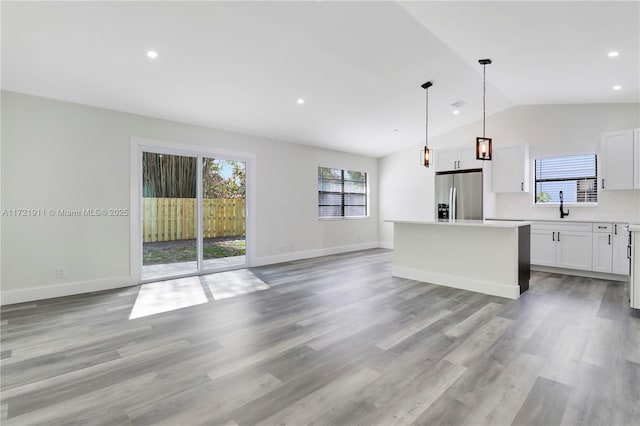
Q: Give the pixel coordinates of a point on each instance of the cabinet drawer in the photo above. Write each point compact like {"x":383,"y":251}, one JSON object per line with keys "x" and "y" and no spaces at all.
{"x":602,"y":227}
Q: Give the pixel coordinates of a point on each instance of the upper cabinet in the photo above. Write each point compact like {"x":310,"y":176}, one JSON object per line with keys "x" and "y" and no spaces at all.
{"x":617,"y":154}
{"x":510,"y":169}
{"x":457,"y":159}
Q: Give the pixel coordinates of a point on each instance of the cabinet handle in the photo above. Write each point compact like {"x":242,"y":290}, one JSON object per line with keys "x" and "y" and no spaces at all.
{"x":615,"y":229}
{"x":602,"y":183}
{"x":609,"y":239}
{"x":454,"y":164}
{"x":553,"y":236}
{"x":602,"y":227}
{"x":558,"y":235}
{"x":521,"y":186}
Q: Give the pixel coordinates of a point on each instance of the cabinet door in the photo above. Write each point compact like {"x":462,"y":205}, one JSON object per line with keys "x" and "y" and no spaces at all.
{"x":543,"y":247}
{"x":511,"y":169}
{"x":574,"y":250}
{"x":467,"y":157}
{"x":446,"y":159}
{"x":619,"y":260}
{"x":616,"y":160}
{"x":602,"y":252}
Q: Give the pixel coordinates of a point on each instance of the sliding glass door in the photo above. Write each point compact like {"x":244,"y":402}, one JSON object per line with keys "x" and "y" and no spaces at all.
{"x":193,"y":214}
{"x":223,"y":213}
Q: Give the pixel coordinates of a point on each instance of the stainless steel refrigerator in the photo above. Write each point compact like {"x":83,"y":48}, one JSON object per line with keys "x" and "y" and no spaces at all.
{"x":458,"y":195}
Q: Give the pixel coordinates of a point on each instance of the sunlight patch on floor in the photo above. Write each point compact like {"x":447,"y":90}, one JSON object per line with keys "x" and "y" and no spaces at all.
{"x":233,"y":283}
{"x":165,"y":296}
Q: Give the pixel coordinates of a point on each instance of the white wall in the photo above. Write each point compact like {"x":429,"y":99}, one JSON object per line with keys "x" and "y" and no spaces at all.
{"x":63,"y":155}
{"x":406,"y":189}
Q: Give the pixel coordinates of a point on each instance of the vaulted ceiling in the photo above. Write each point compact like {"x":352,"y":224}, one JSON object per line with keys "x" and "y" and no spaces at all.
{"x":242,"y":66}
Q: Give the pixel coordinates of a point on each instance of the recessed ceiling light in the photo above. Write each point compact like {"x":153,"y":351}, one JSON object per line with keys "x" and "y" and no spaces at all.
{"x":617,"y":87}
{"x":152,"y":54}
{"x":613,"y":54}
{"x":455,"y":112}
{"x":300,"y":101}
{"x":396,"y":130}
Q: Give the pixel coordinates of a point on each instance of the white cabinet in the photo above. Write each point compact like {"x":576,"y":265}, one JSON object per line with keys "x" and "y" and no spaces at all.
{"x":634,"y":279}
{"x":602,"y":247}
{"x":598,"y":247}
{"x":457,"y":159}
{"x":616,"y":160}
{"x":510,"y":169}
{"x":620,"y":240}
{"x":467,"y":158}
{"x":562,"y":245}
{"x":574,"y":250}
{"x":543,"y":247}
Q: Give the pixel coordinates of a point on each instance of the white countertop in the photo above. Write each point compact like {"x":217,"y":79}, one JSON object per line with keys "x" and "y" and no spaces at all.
{"x":600,"y":220}
{"x":634,"y":228}
{"x":475,"y":223}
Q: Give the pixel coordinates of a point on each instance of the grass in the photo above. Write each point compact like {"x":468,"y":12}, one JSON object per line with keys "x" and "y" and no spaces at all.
{"x":185,"y":250}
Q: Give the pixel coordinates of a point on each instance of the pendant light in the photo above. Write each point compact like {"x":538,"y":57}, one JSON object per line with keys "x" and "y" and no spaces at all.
{"x":426,"y":154}
{"x":483,"y":144}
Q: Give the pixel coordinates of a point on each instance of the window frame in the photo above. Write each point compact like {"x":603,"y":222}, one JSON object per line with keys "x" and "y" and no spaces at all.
{"x":342,"y":194}
{"x":555,"y":204}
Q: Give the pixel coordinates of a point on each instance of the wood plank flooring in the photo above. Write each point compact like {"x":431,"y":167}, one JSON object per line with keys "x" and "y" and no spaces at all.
{"x":334,"y":341}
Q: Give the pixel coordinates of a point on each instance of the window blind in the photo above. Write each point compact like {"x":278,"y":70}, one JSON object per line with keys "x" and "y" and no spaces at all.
{"x":341,"y":193}
{"x":574,"y":175}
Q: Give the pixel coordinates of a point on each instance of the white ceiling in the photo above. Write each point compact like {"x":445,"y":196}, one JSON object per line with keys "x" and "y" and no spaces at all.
{"x":241,"y":66}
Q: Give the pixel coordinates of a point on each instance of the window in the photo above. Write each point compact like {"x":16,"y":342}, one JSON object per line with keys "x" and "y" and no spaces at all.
{"x":341,"y":193}
{"x":574,"y":175}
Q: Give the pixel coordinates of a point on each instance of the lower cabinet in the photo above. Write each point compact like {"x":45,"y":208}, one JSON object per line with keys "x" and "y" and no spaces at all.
{"x":574,"y":250}
{"x":543,"y":247}
{"x":599,"y":247}
{"x":602,"y":247}
{"x":620,"y":241}
{"x":561,"y":246}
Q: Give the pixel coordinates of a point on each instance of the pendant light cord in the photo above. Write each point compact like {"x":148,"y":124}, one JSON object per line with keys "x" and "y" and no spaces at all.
{"x":484,"y":95}
{"x":426,"y":131}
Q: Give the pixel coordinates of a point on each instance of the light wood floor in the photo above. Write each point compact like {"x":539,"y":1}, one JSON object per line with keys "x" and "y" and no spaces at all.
{"x":334,"y":341}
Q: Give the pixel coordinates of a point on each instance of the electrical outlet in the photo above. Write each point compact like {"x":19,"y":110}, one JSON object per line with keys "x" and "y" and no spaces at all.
{"x":60,"y":273}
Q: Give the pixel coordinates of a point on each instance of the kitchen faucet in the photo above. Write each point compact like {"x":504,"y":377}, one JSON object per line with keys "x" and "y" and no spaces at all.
{"x":562,"y":212}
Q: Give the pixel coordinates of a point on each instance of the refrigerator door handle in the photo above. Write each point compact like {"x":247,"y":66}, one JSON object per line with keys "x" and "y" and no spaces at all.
{"x":455,"y":203}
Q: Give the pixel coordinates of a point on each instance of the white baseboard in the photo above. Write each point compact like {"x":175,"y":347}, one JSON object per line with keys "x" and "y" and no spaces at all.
{"x":67,"y":289}
{"x":579,"y":273}
{"x":385,"y":245}
{"x":486,"y":287}
{"x":308,"y":254}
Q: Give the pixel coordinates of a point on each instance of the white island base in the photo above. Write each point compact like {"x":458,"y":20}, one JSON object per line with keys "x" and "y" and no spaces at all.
{"x":482,"y":256}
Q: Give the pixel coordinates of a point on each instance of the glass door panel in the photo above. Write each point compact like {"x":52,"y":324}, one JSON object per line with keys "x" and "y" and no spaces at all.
{"x":223,"y":213}
{"x":169,"y":215}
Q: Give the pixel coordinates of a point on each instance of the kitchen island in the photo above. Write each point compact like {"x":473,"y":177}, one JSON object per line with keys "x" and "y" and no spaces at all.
{"x":490,"y":257}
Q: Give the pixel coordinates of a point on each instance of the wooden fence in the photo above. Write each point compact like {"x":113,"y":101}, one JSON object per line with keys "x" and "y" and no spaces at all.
{"x":168,"y":219}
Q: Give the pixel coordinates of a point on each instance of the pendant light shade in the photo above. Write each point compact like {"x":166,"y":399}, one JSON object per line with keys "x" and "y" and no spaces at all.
{"x":426,"y":154}
{"x":483,"y":144}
